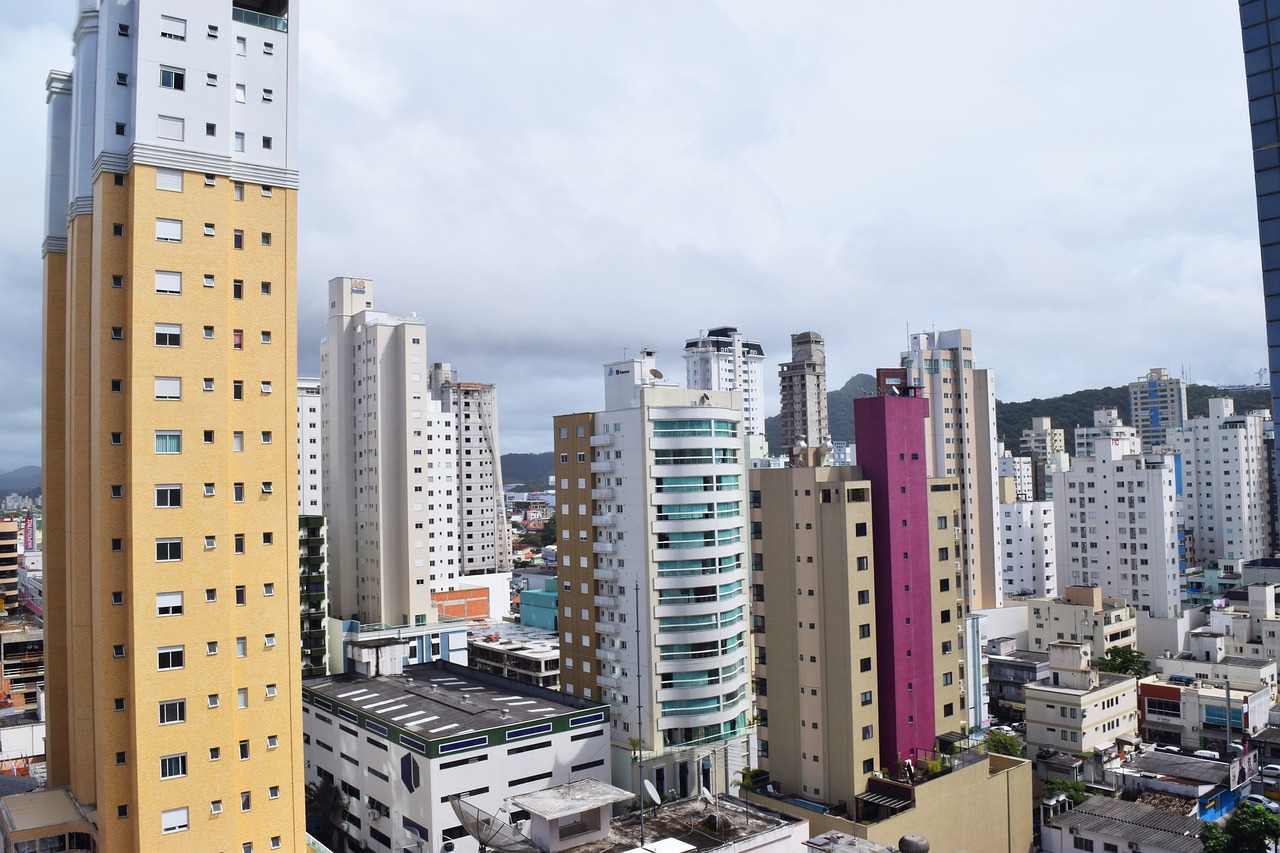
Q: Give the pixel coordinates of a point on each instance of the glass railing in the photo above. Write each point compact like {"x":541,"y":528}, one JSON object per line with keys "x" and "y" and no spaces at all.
{"x":257,"y":19}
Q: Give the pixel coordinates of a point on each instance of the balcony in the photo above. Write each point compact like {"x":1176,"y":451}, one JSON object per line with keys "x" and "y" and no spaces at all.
{"x":602,"y":521}
{"x":607,"y":628}
{"x":606,"y":601}
{"x":606,"y":574}
{"x":607,"y":681}
{"x":607,"y":654}
{"x":604,"y":548}
{"x":258,"y":19}
{"x":602,"y":467}
{"x":605,"y":440}
{"x":605,"y":494}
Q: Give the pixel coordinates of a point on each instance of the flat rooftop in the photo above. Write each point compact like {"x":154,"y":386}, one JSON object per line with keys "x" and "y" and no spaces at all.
{"x":1023,"y":656}
{"x":574,"y":797}
{"x":439,"y":701}
{"x":1203,"y":771}
{"x":692,"y":821}
{"x":39,"y":809}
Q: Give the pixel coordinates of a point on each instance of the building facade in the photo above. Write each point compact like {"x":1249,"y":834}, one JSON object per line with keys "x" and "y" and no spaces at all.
{"x":313,"y":592}
{"x":962,"y":444}
{"x":1077,"y":709}
{"x":1081,"y":615}
{"x":169,"y":431}
{"x":1106,"y":425}
{"x":484,"y":534}
{"x":723,"y":360}
{"x":1224,"y":486}
{"x":1118,"y":526}
{"x":1157,"y":406}
{"x":390,"y":468}
{"x":1029,"y":541}
{"x":803,"y":385}
{"x":310,"y":466}
{"x":653,"y":525}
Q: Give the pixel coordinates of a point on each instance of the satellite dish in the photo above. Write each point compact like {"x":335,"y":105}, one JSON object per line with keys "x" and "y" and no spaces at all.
{"x":652,"y":792}
{"x":706,"y":795}
{"x":655,"y":373}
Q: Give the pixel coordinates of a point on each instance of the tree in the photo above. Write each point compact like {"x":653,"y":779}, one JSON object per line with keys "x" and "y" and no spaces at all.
{"x":1249,"y":829}
{"x":326,"y":804}
{"x":1075,"y":791}
{"x":1003,"y":744}
{"x":1126,"y":661}
{"x":548,"y":535}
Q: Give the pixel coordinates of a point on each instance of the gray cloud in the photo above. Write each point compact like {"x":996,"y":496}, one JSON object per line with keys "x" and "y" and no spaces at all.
{"x":549,"y":183}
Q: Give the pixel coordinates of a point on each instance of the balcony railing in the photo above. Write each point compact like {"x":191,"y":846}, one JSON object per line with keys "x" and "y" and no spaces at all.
{"x":258,"y":19}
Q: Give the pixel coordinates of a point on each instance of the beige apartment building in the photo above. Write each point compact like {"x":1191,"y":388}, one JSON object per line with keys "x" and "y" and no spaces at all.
{"x":1077,"y":709}
{"x":1081,"y":615}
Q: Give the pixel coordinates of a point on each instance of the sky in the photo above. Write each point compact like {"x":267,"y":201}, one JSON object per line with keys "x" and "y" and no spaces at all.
{"x":553,"y":184}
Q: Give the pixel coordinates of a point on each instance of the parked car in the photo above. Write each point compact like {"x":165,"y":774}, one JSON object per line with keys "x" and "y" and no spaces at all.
{"x":1004,"y":730}
{"x":1271,"y":771}
{"x":1259,"y":800}
{"x":1020,"y":727}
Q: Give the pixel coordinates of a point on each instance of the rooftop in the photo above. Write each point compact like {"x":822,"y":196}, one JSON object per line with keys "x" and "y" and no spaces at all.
{"x":839,"y":842}
{"x":694,"y":821}
{"x":1204,"y":771}
{"x":440,"y":700}
{"x":1022,"y":655}
{"x":39,"y":809}
{"x":574,"y":797}
{"x":1135,"y":823}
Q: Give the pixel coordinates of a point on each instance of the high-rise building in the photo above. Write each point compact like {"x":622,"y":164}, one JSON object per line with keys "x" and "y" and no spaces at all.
{"x":1043,"y":439}
{"x":1224,"y":486}
{"x":1028,"y":539}
{"x":1157,"y":405}
{"x":652,"y":503}
{"x":723,"y":360}
{"x":484,"y":534}
{"x":390,"y":471}
{"x":962,"y":443}
{"x":1118,"y":528}
{"x":171,"y":510}
{"x":803,"y":383}
{"x":1260,"y":25}
{"x":310,"y":465}
{"x":1106,"y":425}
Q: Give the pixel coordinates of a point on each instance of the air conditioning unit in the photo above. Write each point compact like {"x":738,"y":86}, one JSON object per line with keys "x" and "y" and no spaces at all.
{"x":1133,"y":845}
{"x":1075,"y":830}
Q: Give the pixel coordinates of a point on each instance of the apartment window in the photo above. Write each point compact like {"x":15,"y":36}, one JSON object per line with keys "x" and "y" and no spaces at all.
{"x":239,"y":147}
{"x":121,"y":758}
{"x":117,"y":544}
{"x":168,"y":335}
{"x":119,"y":128}
{"x":169,"y":230}
{"x":122,"y":79}
{"x":172,"y":78}
{"x":169,"y":495}
{"x":241,"y":646}
{"x":117,"y":229}
{"x":173,"y":28}
{"x":208,"y":332}
{"x":117,"y":651}
{"x":123,"y":30}
{"x":244,"y":750}
{"x":168,"y":441}
{"x":268,"y":538}
{"x":268,"y":589}
{"x":117,"y":179}
{"x":168,"y":388}
{"x":117,"y":333}
{"x":265,"y":387}
{"x":266,"y":288}
{"x":266,"y":337}
{"x":266,"y":143}
{"x":866,"y":697}
{"x":237,"y":339}
{"x":209,"y":490}
{"x":210,"y":129}
{"x":167,"y":281}
{"x":210,"y":595}
{"x":210,"y":542}
{"x":213,"y":31}
{"x":174,"y":820}
{"x":117,"y":438}
{"x":246,"y":801}
{"x":210,"y":80}
{"x":271,"y":688}
{"x":266,"y":436}
{"x":208,"y":383}
{"x":268,"y":48}
{"x":173,"y":766}
{"x":267,"y":95}
{"x":173,"y":711}
{"x":117,"y":597}
{"x":117,"y":491}
{"x":242,"y":698}
{"x":209,"y":230}
{"x":237,"y":389}
{"x":266,"y":191}
{"x":237,"y":287}
{"x":239,"y":549}
{"x":211,"y":647}
{"x":240,"y":93}
{"x":868,"y":732}
{"x":168,"y":550}
{"x":118,"y":280}
{"x":272,"y":742}
{"x":237,"y":492}
{"x":215,"y":807}
{"x":119,"y":703}
{"x":241,"y":46}
{"x":208,"y":436}
{"x":237,"y":190}
{"x":170,"y":657}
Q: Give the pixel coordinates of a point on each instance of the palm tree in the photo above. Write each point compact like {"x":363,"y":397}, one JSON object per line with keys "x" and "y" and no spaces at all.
{"x":326,"y":805}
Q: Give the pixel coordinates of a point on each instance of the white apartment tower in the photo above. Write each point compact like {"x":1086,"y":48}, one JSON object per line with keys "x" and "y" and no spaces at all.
{"x":962,"y":443}
{"x":1157,"y":406}
{"x":1118,"y":526}
{"x":310,"y":466}
{"x":1224,"y":484}
{"x":390,"y":474}
{"x":1043,"y":439}
{"x":653,"y":503}
{"x":1106,"y":426}
{"x":803,"y":385}
{"x":484,"y":538}
{"x":1027,"y":535}
{"x":723,"y":360}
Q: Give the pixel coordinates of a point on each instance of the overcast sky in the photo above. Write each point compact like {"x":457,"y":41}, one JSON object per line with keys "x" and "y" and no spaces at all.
{"x":549,"y":183}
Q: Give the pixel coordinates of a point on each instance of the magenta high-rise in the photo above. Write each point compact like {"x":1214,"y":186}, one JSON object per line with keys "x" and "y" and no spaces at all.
{"x":891,"y":453}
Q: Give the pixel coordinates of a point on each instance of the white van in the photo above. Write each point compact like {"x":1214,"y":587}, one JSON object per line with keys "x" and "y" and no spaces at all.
{"x":1207,"y":753}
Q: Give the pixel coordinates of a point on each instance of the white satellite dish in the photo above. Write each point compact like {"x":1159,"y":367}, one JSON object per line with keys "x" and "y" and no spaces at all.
{"x":655,"y":373}
{"x":654,"y":796}
{"x":706,"y":796}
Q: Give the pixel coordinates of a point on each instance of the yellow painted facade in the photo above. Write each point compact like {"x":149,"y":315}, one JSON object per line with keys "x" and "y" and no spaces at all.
{"x":238,"y":628}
